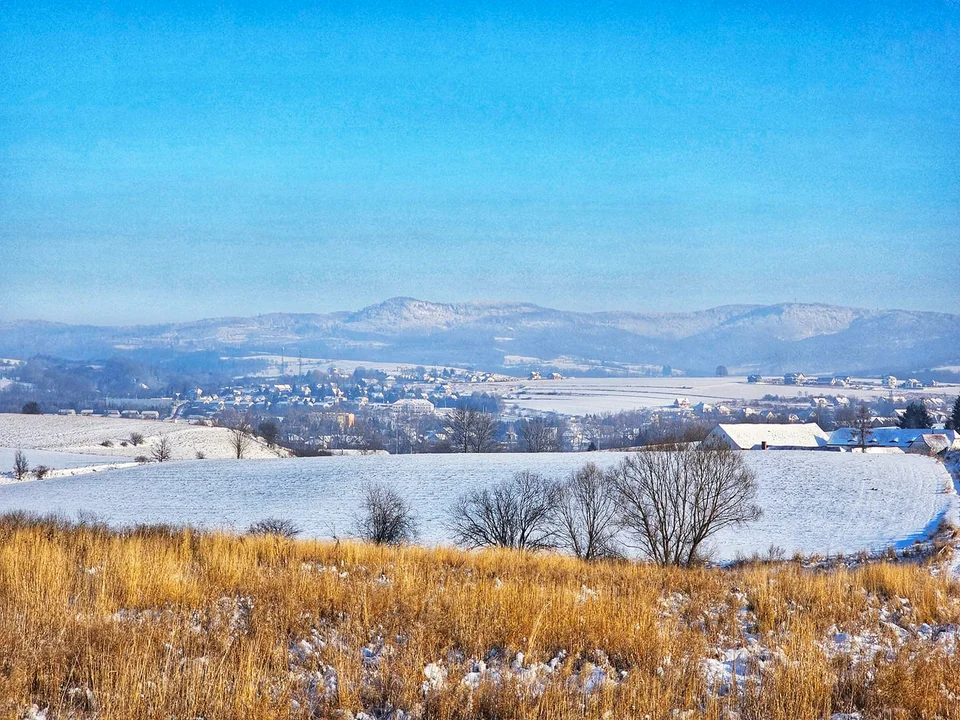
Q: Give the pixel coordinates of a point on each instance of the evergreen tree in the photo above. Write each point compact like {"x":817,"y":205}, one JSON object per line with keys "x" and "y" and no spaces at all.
{"x":916,"y":416}
{"x":953,"y":422}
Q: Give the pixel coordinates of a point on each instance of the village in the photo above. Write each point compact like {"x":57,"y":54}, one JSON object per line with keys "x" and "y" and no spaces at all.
{"x":408,"y":410}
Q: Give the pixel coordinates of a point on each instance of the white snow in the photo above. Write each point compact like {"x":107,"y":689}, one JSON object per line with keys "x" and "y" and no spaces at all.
{"x":84,"y":435}
{"x":814,"y":502}
{"x":579,"y":396}
{"x":751,"y":436}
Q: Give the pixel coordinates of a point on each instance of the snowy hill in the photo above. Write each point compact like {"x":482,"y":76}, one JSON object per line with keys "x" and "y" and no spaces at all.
{"x":770,"y":339}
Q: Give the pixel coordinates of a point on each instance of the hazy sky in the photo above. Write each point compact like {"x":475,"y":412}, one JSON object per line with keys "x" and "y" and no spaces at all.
{"x":170,"y":162}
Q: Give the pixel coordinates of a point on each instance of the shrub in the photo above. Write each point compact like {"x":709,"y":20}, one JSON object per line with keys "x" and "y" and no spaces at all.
{"x":142,"y":459}
{"x":162,"y":450}
{"x":136,"y":439}
{"x":107,"y":443}
{"x":41,"y":471}
{"x":385,"y":518}
{"x":31,"y":408}
{"x":275,"y":526}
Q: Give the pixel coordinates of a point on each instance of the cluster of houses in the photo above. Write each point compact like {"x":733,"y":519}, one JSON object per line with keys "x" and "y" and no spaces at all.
{"x":809,"y":436}
{"x":798,"y":378}
{"x":127,"y":414}
{"x":411,"y":393}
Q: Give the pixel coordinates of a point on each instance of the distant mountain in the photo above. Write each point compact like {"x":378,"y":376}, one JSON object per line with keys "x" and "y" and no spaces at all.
{"x":760,"y":338}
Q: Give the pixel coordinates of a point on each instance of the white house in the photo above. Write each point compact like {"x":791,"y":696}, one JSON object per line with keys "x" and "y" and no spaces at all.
{"x":770,"y":436}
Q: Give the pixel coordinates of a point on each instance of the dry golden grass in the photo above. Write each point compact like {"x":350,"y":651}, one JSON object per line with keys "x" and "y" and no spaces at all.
{"x":166,"y":623}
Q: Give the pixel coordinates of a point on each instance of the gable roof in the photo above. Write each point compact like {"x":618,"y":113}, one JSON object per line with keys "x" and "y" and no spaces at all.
{"x":749,"y":436}
{"x":885,"y":436}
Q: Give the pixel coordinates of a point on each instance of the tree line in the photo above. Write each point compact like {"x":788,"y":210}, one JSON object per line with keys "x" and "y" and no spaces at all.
{"x":663,"y":504}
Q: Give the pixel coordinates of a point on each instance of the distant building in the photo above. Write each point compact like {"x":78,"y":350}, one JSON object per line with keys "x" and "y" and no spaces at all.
{"x":150,"y":415}
{"x":889,"y":437}
{"x":931,"y":444}
{"x":66,"y":411}
{"x":770,"y":436}
{"x":410,"y":407}
{"x":754,"y":379}
{"x":794,"y":379}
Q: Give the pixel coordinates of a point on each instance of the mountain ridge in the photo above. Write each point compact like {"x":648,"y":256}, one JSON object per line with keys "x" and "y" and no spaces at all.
{"x":769,"y":338}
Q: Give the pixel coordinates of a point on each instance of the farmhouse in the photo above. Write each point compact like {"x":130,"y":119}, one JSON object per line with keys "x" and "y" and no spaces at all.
{"x":770,"y":436}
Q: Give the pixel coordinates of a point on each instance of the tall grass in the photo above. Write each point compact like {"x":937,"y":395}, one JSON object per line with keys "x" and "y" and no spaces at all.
{"x":173,"y":623}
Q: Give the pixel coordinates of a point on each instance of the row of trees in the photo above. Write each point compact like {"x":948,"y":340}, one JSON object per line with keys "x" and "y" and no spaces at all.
{"x":665,"y":504}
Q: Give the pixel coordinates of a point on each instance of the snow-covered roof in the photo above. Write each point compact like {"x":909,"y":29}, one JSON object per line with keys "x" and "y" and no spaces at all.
{"x":931,"y":443}
{"x":885,"y":436}
{"x":748,"y":436}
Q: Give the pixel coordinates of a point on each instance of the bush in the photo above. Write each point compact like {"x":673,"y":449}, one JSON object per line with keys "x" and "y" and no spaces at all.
{"x":136,"y":439}
{"x":142,"y":459}
{"x":274,"y":526}
{"x":385,"y":518}
{"x":162,"y":450}
{"x":201,"y":455}
{"x":41,"y":471}
{"x":107,"y":443}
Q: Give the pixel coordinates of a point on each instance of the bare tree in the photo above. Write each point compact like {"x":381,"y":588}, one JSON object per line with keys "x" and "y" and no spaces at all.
{"x":20,"y":465}
{"x":385,"y":518}
{"x":459,"y":428}
{"x":162,"y":451}
{"x":588,"y":514}
{"x":517,"y":513}
{"x":484,"y":437}
{"x":275,"y":526}
{"x":240,"y":438}
{"x":671,"y":501}
{"x":472,"y":430}
{"x":863,"y":425}
{"x":537,"y":435}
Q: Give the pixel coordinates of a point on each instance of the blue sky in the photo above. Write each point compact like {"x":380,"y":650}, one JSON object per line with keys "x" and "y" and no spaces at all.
{"x":164,"y":162}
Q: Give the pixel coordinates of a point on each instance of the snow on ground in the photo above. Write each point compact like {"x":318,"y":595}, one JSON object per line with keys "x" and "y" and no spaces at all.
{"x":84,"y":435}
{"x":579,"y":396}
{"x":60,"y":464}
{"x":814,"y":502}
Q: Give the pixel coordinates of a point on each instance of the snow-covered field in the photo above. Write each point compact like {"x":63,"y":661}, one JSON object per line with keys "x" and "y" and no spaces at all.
{"x":813,"y":502}
{"x":50,"y":458}
{"x":578,"y":396}
{"x":84,"y":435}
